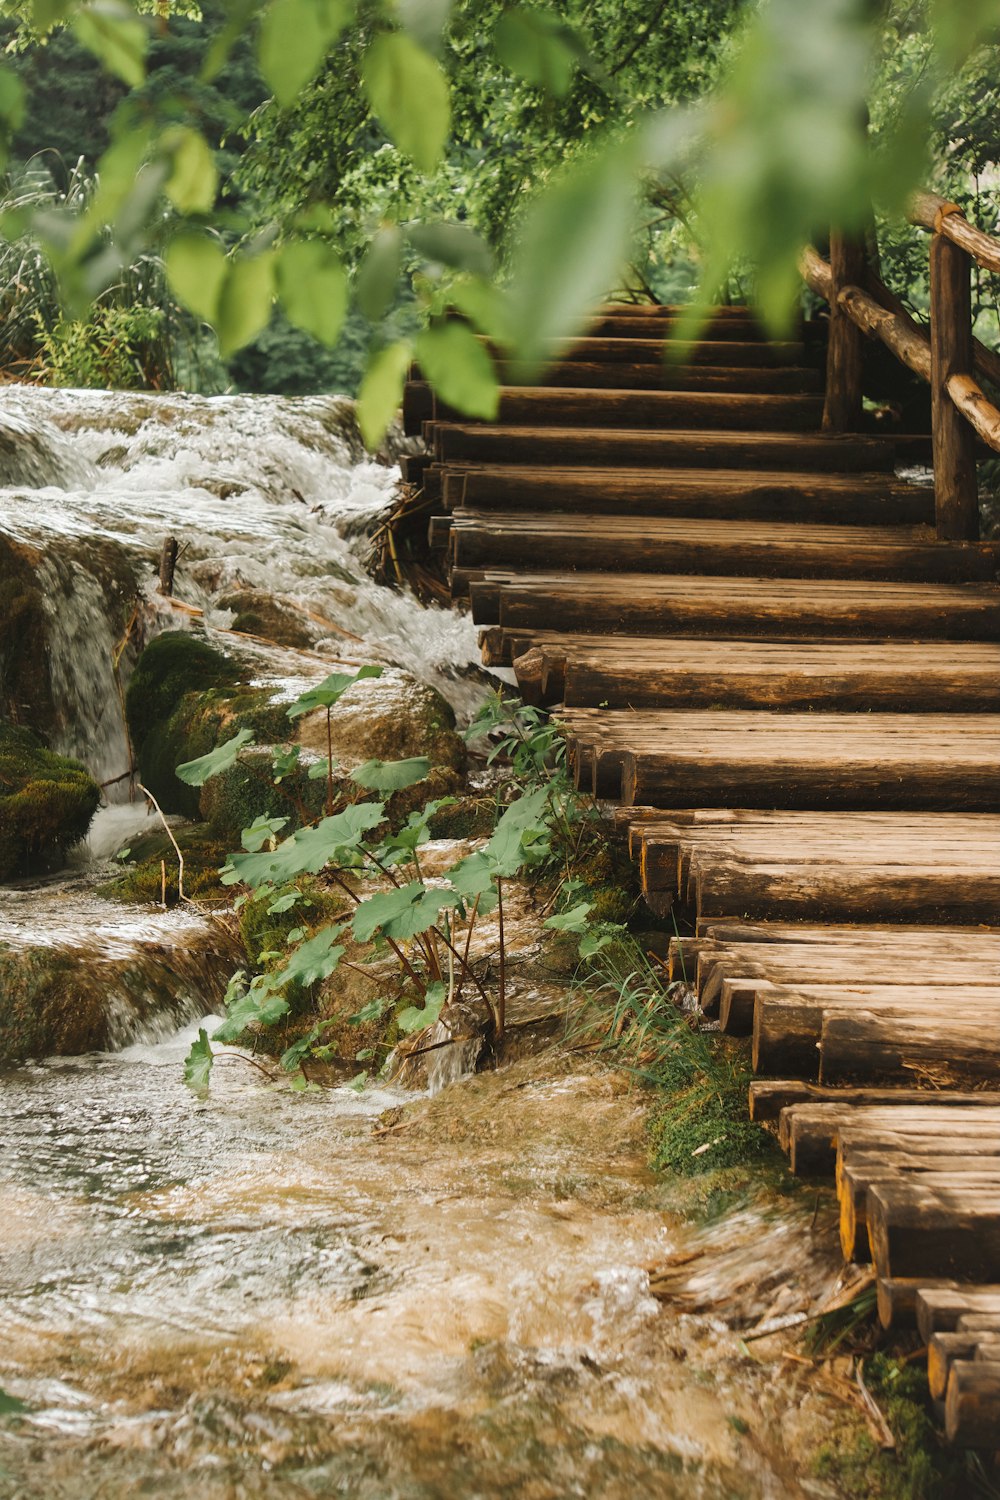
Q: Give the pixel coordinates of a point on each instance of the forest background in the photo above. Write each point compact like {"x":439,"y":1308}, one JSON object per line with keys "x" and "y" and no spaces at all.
{"x":279,"y":198}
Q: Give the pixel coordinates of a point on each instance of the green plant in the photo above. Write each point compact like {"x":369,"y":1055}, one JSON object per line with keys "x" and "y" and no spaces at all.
{"x":427,"y":926}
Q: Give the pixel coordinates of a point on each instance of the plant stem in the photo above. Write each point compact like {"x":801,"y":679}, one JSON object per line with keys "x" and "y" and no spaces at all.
{"x":502,"y":997}
{"x":329,"y":764}
{"x":177,"y":848}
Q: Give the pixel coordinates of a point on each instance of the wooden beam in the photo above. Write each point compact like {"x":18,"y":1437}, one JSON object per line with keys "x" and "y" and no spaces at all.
{"x":955,"y":487}
{"x":845,"y":351}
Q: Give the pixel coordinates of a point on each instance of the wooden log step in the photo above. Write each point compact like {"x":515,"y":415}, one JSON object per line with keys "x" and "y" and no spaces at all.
{"x":880,"y":1032}
{"x":920,"y":893}
{"x":615,"y":448}
{"x":896,"y":1298}
{"x":720,"y":352}
{"x":683,"y":545}
{"x":647,"y":672}
{"x":652,"y":604}
{"x":662,"y":325}
{"x":809,"y":1133}
{"x":894,"y":1042}
{"x":859,"y":1170}
{"x":939,"y":1309}
{"x":644,"y":375}
{"x":543,"y":406}
{"x":972,"y":1404}
{"x":916,"y":1230}
{"x":723,"y":494}
{"x":769,"y":1096}
{"x":945,"y":1348}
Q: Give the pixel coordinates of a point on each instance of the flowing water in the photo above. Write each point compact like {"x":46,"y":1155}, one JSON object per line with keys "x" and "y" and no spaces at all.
{"x":271,"y":1293}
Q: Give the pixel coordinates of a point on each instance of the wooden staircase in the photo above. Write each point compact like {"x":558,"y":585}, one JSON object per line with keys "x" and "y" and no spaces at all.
{"x":762,"y":651}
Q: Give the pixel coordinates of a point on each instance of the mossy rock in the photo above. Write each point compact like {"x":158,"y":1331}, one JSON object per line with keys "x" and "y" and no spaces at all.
{"x":232,"y":800}
{"x":466,"y":818}
{"x":259,"y":614}
{"x":46,"y":804}
{"x":141,"y":879}
{"x":25,"y":692}
{"x":183,"y":700}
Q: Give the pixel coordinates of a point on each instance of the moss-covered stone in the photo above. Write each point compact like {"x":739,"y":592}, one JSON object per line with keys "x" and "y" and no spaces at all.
{"x":25,"y":692}
{"x":46,"y":804}
{"x":141,"y":879}
{"x":259,"y":614}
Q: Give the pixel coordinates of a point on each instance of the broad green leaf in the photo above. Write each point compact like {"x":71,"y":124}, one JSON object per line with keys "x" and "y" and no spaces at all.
{"x":293,"y":1057}
{"x":312,"y":960}
{"x":425,"y":20}
{"x":308,"y":850}
{"x":452,"y":245}
{"x":285,"y":763}
{"x":326,"y":693}
{"x":258,"y":1006}
{"x":392,"y":775}
{"x":459,"y":369}
{"x":373,"y":1011}
{"x":197,"y":772}
{"x":377,"y":280}
{"x":312,"y":287}
{"x":115,"y":35}
{"x":486,"y":306}
{"x":415,"y":1017}
{"x":194,"y":180}
{"x":472,"y":876}
{"x":381,"y":392}
{"x":409,"y":93}
{"x":321,"y":769}
{"x":400,"y":914}
{"x":245,"y":301}
{"x":571,"y":921}
{"x":196,"y":268}
{"x":295,"y":36}
{"x":45,"y":13}
{"x":538,"y":47}
{"x":526,"y":816}
{"x":198,"y":1064}
{"x":357,"y":1083}
{"x":573,"y":244}
{"x":593,"y":942}
{"x":284,"y":903}
{"x":262,"y":831}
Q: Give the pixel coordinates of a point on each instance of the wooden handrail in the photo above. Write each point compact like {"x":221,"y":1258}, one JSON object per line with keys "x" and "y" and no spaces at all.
{"x":935,"y":213}
{"x":945,"y":355}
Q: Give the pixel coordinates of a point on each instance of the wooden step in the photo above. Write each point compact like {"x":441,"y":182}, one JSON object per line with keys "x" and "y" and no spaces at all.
{"x":750,"y":548}
{"x":616,"y":448}
{"x":769,"y":1096}
{"x":648,"y":672}
{"x":666,"y":324}
{"x":652,"y":604}
{"x":729,"y":352}
{"x":810,"y":1133}
{"x":645,"y":375}
{"x":543,"y":406}
{"x":730,"y":494}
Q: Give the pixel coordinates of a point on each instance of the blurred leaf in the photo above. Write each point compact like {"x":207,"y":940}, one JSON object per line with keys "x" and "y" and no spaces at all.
{"x":409,"y":94}
{"x":196,"y":268}
{"x":538,"y":47}
{"x":328,"y":692}
{"x":486,"y":306}
{"x":295,"y":37}
{"x":239,"y":14}
{"x":198,"y":1064}
{"x":460,"y":369}
{"x":381,"y":392}
{"x":573,"y":244}
{"x":115,"y":35}
{"x":392,"y":775}
{"x":452,"y":245}
{"x":312,"y":286}
{"x":197,"y":772}
{"x":425,"y":20}
{"x":262,"y":831}
{"x":194,"y":180}
{"x":245,"y":302}
{"x":378,"y":275}
{"x":961,"y":25}
{"x":12,"y":105}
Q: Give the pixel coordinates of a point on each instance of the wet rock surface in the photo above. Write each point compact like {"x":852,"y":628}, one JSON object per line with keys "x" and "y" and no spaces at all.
{"x":46,"y":804}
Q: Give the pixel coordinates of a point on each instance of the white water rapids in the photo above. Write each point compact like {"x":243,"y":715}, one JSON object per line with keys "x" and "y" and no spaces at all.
{"x":268,"y":494}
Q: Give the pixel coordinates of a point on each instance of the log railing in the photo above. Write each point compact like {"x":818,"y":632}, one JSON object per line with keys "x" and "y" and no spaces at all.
{"x":946,"y":354}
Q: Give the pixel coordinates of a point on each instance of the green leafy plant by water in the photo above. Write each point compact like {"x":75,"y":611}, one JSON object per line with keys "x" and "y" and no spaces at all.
{"x":426,"y":925}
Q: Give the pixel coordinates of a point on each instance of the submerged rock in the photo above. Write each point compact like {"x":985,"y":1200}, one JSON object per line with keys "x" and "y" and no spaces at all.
{"x":25,"y":691}
{"x":46,"y":804}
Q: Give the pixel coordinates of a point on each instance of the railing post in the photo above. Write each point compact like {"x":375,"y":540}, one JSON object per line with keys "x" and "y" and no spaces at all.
{"x":845,"y":351}
{"x":956,"y":498}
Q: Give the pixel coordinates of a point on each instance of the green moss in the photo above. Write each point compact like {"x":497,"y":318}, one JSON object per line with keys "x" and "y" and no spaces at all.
{"x":700,"y":1122}
{"x":141,"y":878}
{"x":920,"y":1469}
{"x":466,"y":818}
{"x":259,"y":614}
{"x":232,"y":800}
{"x":46,"y":804}
{"x":171,"y":666}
